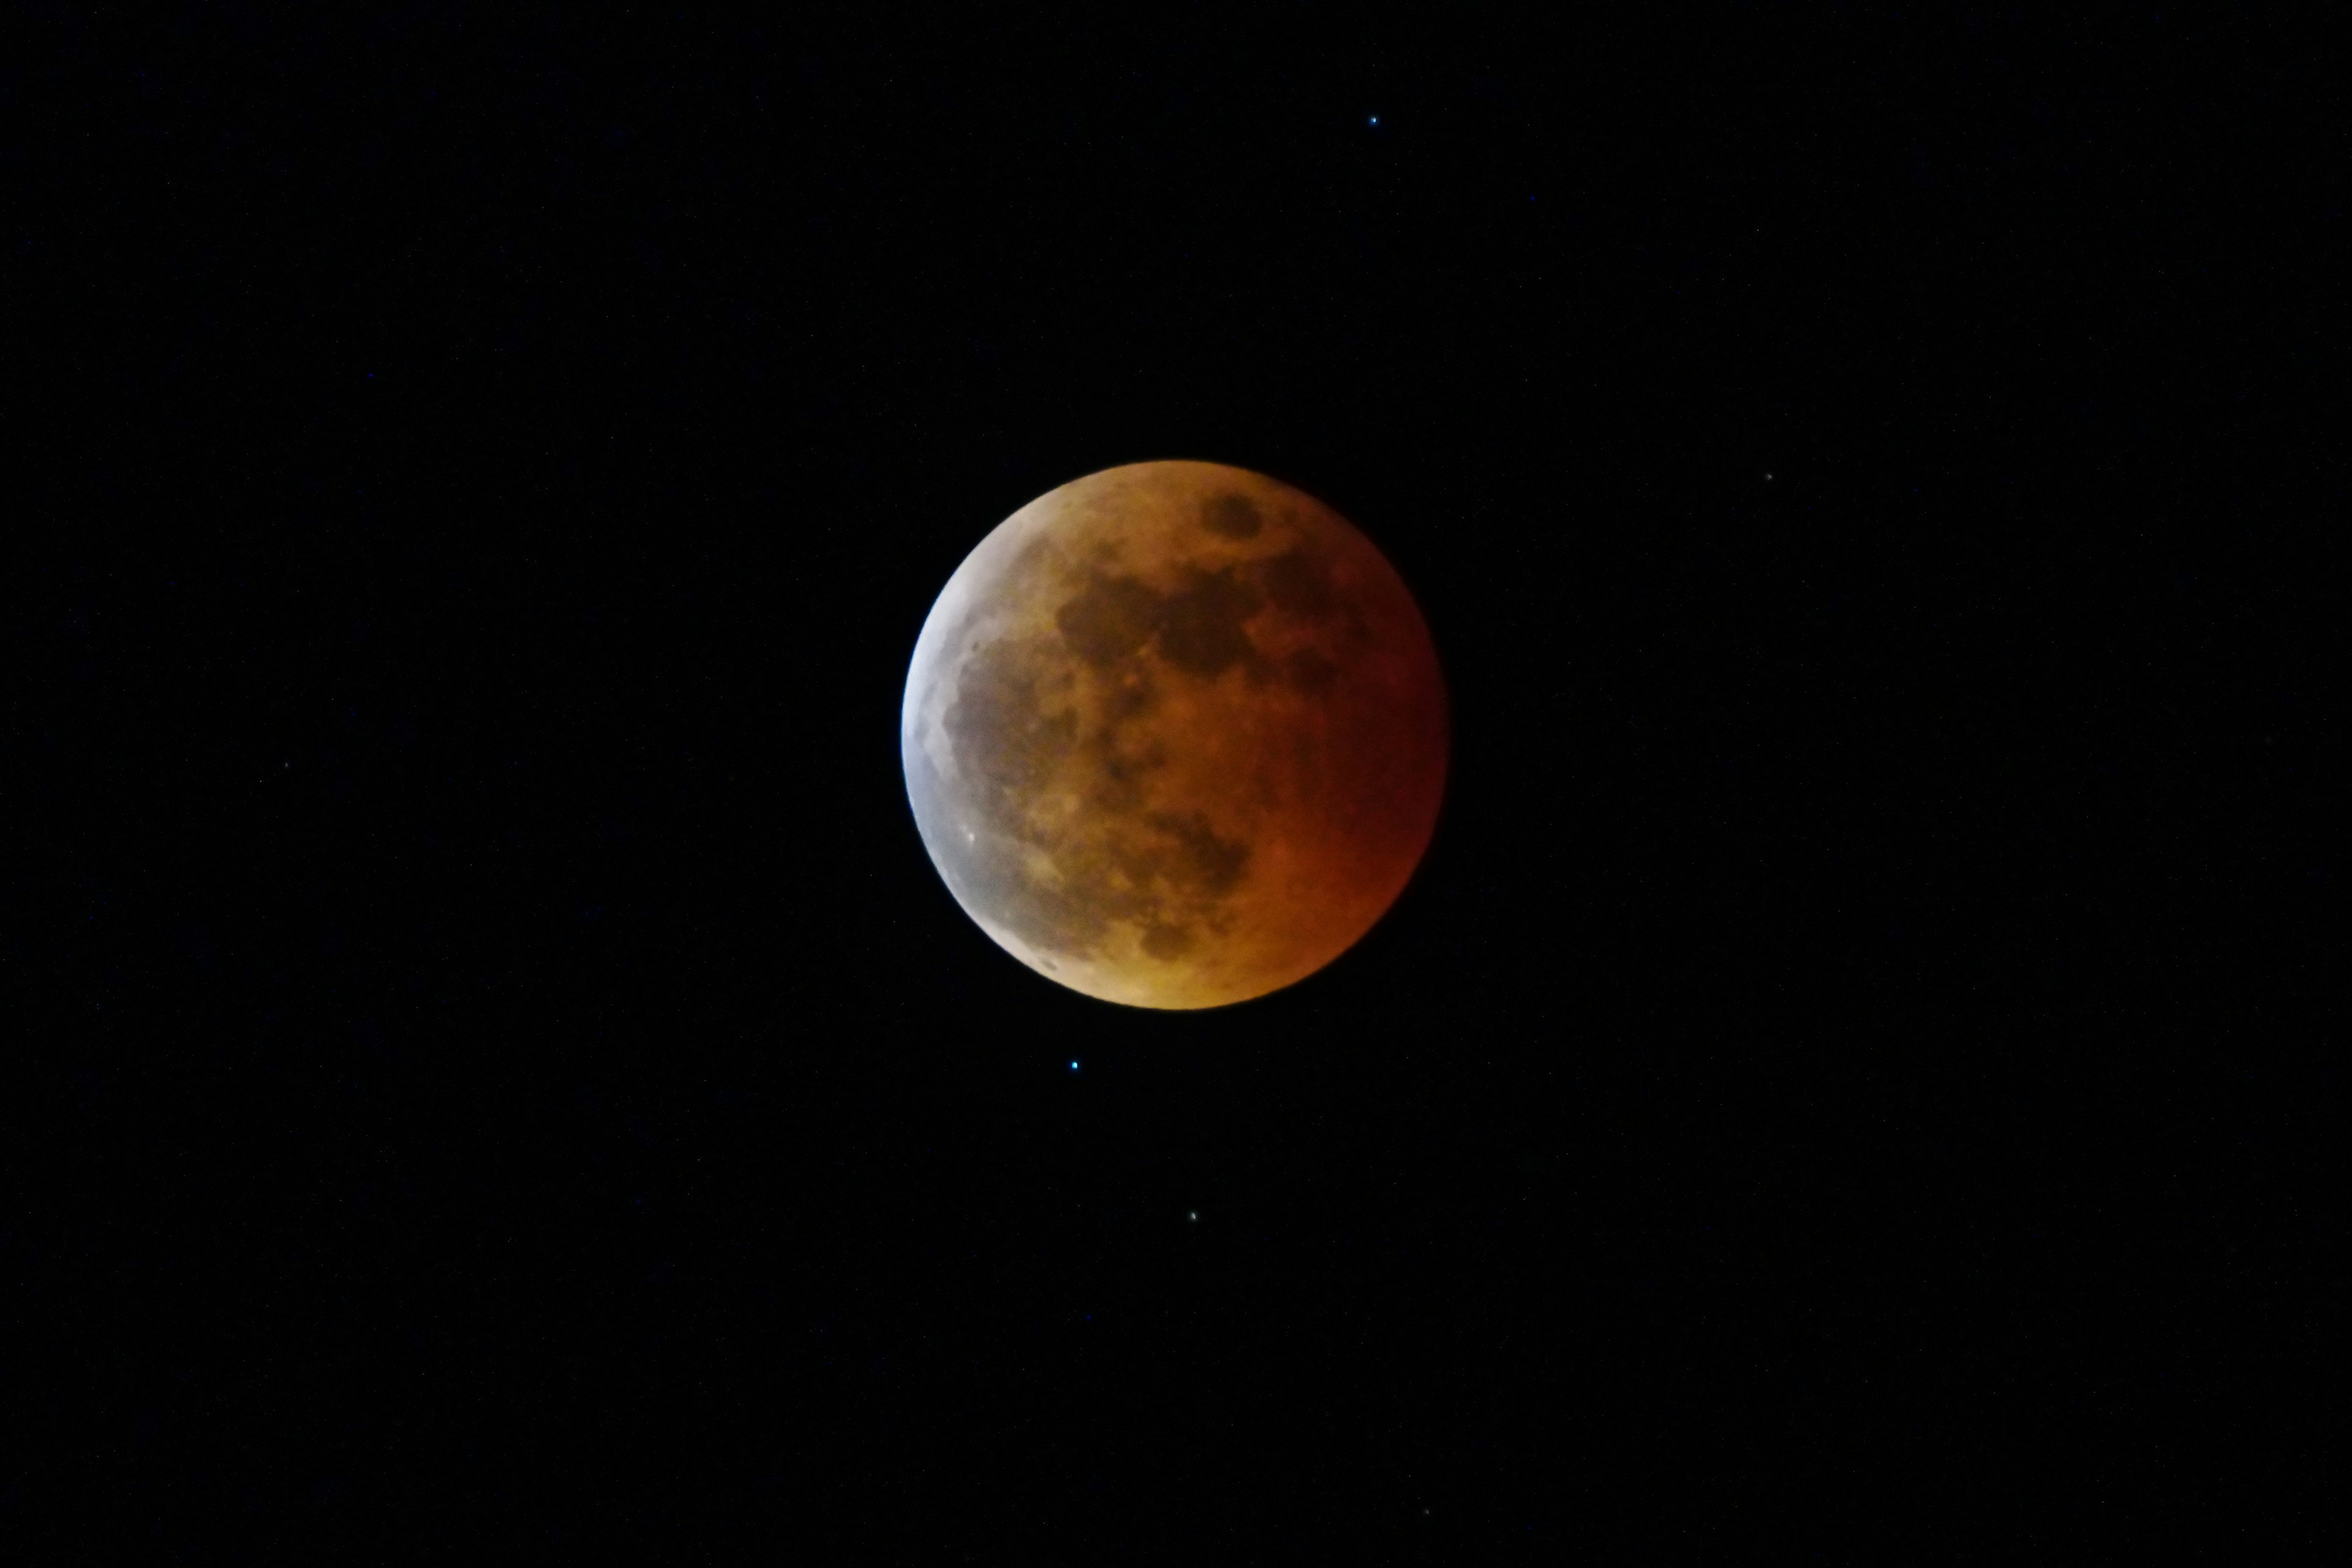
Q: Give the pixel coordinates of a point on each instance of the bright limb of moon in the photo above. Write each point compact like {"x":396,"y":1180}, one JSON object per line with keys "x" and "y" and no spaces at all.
{"x":1174,"y":734}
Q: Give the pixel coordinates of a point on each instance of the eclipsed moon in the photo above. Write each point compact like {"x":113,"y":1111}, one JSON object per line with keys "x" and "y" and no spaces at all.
{"x":1175,"y":735}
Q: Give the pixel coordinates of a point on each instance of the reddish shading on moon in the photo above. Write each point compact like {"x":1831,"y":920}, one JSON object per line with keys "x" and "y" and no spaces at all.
{"x":1175,"y":735}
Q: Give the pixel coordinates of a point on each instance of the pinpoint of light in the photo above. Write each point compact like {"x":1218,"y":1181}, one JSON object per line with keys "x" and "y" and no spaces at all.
{"x":1375,"y":119}
{"x":1073,"y":1067}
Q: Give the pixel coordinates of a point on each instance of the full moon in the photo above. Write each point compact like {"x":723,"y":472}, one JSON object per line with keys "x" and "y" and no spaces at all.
{"x":1175,"y":735}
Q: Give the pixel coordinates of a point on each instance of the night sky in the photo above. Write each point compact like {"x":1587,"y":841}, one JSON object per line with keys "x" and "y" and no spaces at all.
{"x":497,"y":1070}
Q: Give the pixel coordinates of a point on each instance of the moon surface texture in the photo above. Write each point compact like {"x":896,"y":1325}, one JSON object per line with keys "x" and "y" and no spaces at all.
{"x":1175,"y":735}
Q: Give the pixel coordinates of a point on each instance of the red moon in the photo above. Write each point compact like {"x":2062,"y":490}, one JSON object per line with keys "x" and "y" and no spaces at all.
{"x":1175,"y":735}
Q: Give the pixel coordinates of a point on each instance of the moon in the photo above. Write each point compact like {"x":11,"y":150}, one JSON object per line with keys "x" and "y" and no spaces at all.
{"x":1175,"y":735}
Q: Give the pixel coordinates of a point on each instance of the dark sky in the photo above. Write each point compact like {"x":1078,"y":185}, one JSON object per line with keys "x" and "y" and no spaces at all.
{"x":505,"y":1074}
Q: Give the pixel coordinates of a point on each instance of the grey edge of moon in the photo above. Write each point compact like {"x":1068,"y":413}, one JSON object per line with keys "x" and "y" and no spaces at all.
{"x":1175,"y":735}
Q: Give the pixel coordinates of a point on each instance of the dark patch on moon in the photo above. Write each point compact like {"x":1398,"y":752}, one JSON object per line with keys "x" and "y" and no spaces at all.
{"x":1202,"y":864}
{"x":1232,"y":516}
{"x":1311,"y":672}
{"x":1298,"y":585}
{"x":1201,"y":625}
{"x":1108,"y":619}
{"x":1165,"y":942}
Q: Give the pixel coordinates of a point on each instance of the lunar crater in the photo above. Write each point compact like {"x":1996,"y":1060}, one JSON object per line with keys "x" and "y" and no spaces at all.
{"x":1233,"y":516}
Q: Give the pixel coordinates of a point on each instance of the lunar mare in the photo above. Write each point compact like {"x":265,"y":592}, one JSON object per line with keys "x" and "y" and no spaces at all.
{"x":1174,"y":734}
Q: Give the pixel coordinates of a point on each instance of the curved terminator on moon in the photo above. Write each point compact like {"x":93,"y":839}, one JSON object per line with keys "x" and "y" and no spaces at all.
{"x":1175,"y":735}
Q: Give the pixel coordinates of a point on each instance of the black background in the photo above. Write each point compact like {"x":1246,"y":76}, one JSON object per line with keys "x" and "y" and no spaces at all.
{"x":502,"y":1072}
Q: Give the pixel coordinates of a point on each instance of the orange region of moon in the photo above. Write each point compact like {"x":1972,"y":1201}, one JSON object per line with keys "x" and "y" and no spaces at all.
{"x":1175,"y":735}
